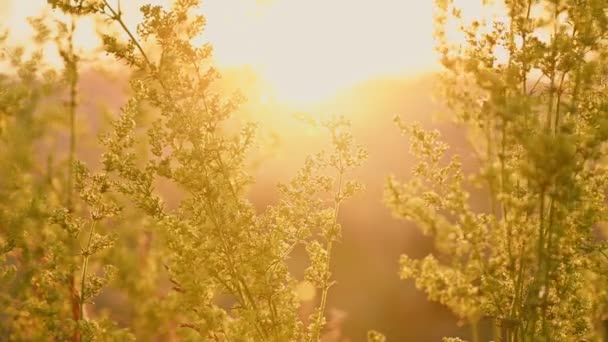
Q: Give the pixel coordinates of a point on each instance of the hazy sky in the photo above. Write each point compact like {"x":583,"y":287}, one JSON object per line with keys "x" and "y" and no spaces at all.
{"x":305,"y":49}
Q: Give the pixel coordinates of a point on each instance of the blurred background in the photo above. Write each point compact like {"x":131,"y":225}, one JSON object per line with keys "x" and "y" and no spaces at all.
{"x":365,"y":60}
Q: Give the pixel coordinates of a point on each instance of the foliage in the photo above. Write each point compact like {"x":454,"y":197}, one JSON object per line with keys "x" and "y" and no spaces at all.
{"x":374,"y":336}
{"x":212,"y":268}
{"x":530,"y":88}
{"x":200,"y":262}
{"x":38,"y":294}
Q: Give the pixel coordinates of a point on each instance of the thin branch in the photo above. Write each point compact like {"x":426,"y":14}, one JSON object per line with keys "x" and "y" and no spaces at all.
{"x":85,"y":263}
{"x":117,"y":16}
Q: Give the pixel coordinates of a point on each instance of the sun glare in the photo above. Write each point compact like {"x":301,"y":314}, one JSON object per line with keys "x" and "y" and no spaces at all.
{"x":308,"y":50}
{"x":305,"y":51}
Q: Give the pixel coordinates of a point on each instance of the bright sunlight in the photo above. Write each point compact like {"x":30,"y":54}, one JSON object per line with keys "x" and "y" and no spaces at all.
{"x":336,"y":170}
{"x":305,"y":51}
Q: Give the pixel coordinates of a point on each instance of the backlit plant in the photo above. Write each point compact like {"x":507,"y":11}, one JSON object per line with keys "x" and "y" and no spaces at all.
{"x":158,"y":241}
{"x":529,"y":86}
{"x":224,"y":263}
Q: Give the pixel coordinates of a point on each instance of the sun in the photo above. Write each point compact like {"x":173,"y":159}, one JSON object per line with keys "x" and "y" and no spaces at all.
{"x":303,"y":50}
{"x":308,"y":50}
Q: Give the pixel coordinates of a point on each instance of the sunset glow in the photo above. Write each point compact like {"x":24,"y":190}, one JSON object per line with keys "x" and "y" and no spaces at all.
{"x":304,"y":170}
{"x":304,"y":50}
{"x":309,"y":49}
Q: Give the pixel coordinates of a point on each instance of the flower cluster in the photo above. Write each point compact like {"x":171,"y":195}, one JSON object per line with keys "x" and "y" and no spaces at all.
{"x":208,"y":265}
{"x":528,"y":88}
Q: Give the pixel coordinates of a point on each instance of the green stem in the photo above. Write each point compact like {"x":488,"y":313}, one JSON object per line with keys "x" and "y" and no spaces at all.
{"x":546,"y":279}
{"x":475,"y":330}
{"x":72,"y":75}
{"x":85,"y":264}
{"x":496,"y":330}
{"x":317,"y":331}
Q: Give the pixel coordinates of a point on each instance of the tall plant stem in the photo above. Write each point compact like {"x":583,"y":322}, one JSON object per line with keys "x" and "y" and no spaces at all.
{"x":71,"y":72}
{"x":475,"y":331}
{"x":85,"y":264}
{"x":325,"y":289}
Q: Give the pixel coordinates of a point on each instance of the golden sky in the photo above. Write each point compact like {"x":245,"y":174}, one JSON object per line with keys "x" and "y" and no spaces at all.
{"x":305,"y":49}
{"x":309,"y":49}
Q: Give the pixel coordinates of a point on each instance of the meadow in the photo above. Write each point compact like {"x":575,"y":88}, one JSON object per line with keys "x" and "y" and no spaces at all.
{"x":285,"y":170}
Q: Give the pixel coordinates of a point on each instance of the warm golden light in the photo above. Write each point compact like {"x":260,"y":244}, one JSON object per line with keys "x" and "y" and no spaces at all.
{"x":304,"y":50}
{"x":307,"y":50}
